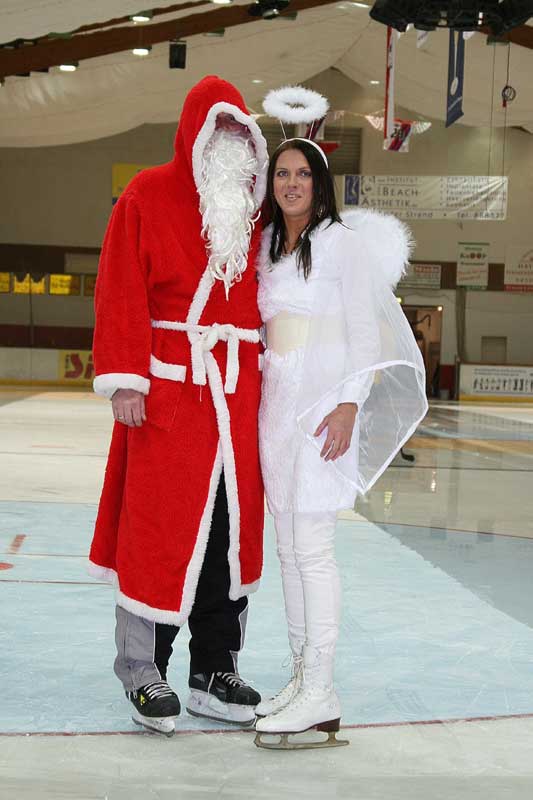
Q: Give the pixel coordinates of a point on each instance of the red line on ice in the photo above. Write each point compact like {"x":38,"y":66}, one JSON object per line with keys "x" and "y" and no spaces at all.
{"x":16,"y":544}
{"x":193,"y":731}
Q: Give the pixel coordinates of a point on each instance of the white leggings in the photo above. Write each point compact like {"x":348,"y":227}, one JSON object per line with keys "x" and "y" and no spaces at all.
{"x":311,"y":585}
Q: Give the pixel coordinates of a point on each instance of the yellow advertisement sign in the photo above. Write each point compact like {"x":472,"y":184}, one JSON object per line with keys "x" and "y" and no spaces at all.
{"x":5,"y":282}
{"x":65,"y":284}
{"x":27,"y":285}
{"x":76,"y":367}
{"x":122,"y":174}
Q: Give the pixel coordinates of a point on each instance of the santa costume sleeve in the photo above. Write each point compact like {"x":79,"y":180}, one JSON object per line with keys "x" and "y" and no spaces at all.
{"x":122,"y":334}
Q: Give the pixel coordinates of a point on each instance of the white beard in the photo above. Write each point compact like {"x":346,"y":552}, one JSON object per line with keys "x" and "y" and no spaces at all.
{"x":227,"y":204}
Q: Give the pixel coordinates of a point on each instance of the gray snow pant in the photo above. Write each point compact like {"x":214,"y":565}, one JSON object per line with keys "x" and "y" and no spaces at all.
{"x":216,"y":623}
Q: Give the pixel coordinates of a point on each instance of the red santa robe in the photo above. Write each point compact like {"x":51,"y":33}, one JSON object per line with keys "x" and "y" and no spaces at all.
{"x":164,"y":327}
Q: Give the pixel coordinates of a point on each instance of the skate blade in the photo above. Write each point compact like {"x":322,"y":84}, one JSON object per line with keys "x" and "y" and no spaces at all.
{"x":282,"y":741}
{"x":235,"y":722}
{"x":151,"y":729}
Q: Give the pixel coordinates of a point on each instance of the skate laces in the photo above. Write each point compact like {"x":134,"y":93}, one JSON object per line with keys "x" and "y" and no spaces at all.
{"x":297,"y":671}
{"x":231,"y":678}
{"x":157,"y":689}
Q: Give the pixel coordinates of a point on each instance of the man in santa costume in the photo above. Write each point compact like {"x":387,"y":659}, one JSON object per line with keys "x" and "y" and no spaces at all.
{"x":176,"y":349}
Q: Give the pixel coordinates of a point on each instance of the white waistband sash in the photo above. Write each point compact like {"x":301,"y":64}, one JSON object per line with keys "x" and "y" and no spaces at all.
{"x":203,"y":338}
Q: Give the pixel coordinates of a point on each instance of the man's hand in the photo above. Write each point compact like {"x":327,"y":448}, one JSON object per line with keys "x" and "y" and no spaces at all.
{"x":128,"y":407}
{"x":339,"y":423}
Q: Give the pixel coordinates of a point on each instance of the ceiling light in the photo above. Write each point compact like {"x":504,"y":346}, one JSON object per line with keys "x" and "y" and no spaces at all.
{"x":142,"y":16}
{"x":375,"y":83}
{"x":268,"y":9}
{"x":439,"y":308}
{"x":360,"y":5}
{"x":142,"y":51}
{"x":72,"y":67}
{"x":222,"y":2}
{"x":257,"y":80}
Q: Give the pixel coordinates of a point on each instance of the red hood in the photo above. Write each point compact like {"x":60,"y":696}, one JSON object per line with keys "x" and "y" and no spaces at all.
{"x":210,"y":97}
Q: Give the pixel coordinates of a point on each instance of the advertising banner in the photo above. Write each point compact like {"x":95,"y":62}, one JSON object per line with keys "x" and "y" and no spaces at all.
{"x":76,"y":367}
{"x":89,"y":282}
{"x":5,"y":282}
{"x":65,"y":284}
{"x":27,"y":285}
{"x":419,"y":197}
{"x":518,"y":272}
{"x":121,"y":175}
{"x":473,"y":264}
{"x":421,"y":276}
{"x":483,"y":381}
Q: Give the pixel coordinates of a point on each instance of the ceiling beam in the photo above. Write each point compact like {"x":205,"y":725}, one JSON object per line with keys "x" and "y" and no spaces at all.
{"x":53,"y":52}
{"x":124,"y":20}
{"x":46,"y":52}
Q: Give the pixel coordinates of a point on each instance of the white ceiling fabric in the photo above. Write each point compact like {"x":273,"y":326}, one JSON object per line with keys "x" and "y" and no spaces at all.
{"x":114,"y":93}
{"x":29,"y":19}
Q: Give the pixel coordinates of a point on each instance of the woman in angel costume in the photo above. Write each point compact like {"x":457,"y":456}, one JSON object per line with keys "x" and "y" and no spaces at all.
{"x":343,"y":389}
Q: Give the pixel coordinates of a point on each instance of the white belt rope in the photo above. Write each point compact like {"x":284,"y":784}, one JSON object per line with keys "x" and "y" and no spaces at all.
{"x":203,"y":338}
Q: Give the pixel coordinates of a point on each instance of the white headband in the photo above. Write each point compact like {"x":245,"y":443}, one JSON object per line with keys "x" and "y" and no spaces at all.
{"x":309,"y":141}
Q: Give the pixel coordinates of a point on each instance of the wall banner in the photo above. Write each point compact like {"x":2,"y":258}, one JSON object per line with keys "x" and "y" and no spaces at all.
{"x":479,"y":381}
{"x":25,"y":284}
{"x":418,"y":197}
{"x":473,"y":264}
{"x":5,"y":282}
{"x":76,"y":367}
{"x":121,"y":175}
{"x":518,"y":272}
{"x":421,"y":276}
{"x":65,"y":284}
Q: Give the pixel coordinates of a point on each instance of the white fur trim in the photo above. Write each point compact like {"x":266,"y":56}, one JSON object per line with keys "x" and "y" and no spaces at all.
{"x":170,"y":372}
{"x":263,"y":258}
{"x":197,"y":559}
{"x":388,"y":240}
{"x":101,"y":573}
{"x":230,"y":472}
{"x":280,"y":103}
{"x":206,"y":131}
{"x":107,"y":384}
{"x":148,"y":612}
{"x":246,"y":589}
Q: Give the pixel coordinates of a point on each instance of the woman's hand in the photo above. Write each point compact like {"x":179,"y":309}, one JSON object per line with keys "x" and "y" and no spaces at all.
{"x":128,"y":407}
{"x":340,"y":424}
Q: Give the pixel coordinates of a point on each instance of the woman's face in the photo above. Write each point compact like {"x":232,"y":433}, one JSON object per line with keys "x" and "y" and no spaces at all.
{"x":293,"y":185}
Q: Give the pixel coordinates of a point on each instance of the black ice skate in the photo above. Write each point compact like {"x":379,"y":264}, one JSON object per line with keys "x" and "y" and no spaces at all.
{"x":155,"y":707}
{"x":223,"y":696}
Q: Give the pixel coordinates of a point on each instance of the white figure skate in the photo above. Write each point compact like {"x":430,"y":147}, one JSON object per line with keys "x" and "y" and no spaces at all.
{"x":276,"y":703}
{"x":315,"y":707}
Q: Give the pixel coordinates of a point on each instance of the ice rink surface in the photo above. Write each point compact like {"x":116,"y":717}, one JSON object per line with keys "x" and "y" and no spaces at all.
{"x":435,"y":659}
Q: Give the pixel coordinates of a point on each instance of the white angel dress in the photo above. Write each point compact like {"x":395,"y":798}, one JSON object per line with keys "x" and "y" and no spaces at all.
{"x":339,"y":336}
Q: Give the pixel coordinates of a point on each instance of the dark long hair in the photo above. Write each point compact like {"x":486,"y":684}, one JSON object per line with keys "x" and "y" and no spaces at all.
{"x":324,"y":205}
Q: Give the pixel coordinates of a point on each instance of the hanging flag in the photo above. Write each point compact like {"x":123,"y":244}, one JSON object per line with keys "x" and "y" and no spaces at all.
{"x":388,"y":129}
{"x":399,"y":141}
{"x":456,"y":69}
